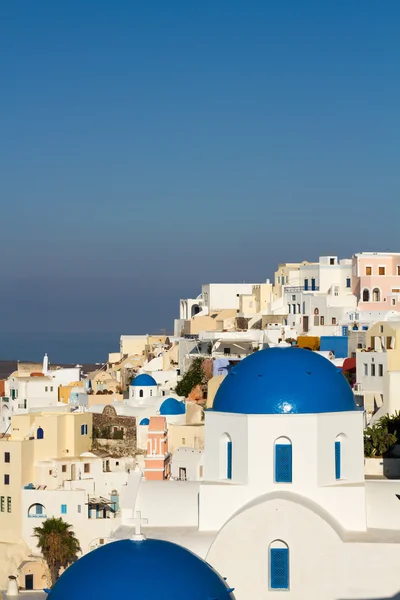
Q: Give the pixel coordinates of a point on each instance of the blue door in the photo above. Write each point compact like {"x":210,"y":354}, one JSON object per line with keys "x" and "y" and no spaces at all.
{"x":229,"y":460}
{"x":313,"y":284}
{"x":338,"y":460}
{"x":283,"y":463}
{"x":306,"y":284}
{"x":279,"y":568}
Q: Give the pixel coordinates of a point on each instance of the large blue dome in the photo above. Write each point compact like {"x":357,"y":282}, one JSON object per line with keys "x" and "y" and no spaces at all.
{"x":284,"y":381}
{"x":171,"y":406}
{"x":134,"y":570}
{"x":144,"y":380}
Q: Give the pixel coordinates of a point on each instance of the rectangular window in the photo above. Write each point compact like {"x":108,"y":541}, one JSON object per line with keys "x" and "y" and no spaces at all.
{"x":183,"y":441}
{"x":6,"y":480}
{"x":79,"y":508}
{"x":322,"y":320}
{"x":331,"y":261}
{"x":313,"y":284}
{"x":8,"y":504}
{"x":365,"y":369}
{"x":398,"y":270}
{"x":2,"y":504}
{"x":279,"y":568}
{"x":348,"y":282}
{"x":333,"y":320}
{"x":380,"y":370}
{"x":46,"y":389}
{"x":64,"y":468}
{"x":283,"y":463}
{"x":306,"y":284}
{"x":86,"y":468}
{"x":337,"y":460}
{"x":373,"y":370}
{"x":63,"y":509}
{"x":293,"y":297}
{"x":51,"y":388}
{"x":381,"y":270}
{"x":368,"y":270}
{"x":6,"y":457}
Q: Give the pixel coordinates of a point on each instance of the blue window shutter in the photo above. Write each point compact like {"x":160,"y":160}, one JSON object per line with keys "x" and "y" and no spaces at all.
{"x":279,"y":568}
{"x":337,"y":460}
{"x":283,"y":463}
{"x":306,"y":284}
{"x":82,"y":429}
{"x":63,"y":509}
{"x":229,"y":460}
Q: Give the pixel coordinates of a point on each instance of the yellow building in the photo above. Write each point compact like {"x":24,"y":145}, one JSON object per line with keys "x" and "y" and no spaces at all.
{"x":64,"y":391}
{"x":212,"y":388}
{"x":385,"y":336}
{"x":35,"y":437}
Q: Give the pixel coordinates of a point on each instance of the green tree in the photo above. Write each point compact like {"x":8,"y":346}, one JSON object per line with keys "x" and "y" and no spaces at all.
{"x":378,"y":440}
{"x":194,"y":376}
{"x":58,"y":545}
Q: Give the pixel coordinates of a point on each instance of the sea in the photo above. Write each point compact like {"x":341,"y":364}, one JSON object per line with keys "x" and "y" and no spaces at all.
{"x":62,"y":348}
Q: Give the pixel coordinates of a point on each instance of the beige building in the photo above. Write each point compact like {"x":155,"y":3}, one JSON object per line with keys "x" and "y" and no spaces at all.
{"x":35,"y":437}
{"x":220,"y":321}
{"x":212,"y":388}
{"x":258,"y":301}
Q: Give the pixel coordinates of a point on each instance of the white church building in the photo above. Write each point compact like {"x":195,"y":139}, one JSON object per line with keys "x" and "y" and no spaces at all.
{"x":284,"y":507}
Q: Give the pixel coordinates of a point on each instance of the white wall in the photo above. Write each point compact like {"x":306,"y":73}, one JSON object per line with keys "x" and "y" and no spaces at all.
{"x":219,"y":296}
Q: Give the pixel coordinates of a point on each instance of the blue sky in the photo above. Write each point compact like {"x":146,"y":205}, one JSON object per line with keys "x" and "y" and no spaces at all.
{"x":150,"y":147}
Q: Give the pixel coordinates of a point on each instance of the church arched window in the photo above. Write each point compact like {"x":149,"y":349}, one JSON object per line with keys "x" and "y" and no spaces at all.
{"x":283,"y":460}
{"x":365,"y":295}
{"x":225,"y":457}
{"x":40,"y":434}
{"x":279,"y":576}
{"x":141,"y":394}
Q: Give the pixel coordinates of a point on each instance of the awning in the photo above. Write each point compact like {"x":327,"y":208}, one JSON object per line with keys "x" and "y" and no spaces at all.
{"x":349,"y":364}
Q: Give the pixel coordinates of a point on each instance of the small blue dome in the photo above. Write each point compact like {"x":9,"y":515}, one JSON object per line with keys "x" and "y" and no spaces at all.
{"x":284,"y":381}
{"x":171,"y":406}
{"x":144,"y":380}
{"x":150,"y":569}
{"x":145,"y":422}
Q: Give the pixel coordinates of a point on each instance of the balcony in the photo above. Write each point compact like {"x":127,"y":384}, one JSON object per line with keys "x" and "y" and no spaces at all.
{"x":295,"y":289}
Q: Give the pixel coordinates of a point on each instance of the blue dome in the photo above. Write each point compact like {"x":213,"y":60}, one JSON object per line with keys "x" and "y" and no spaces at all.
{"x":145,"y":422}
{"x":171,"y":406}
{"x":151,"y":569}
{"x":144,"y":380}
{"x":284,"y":381}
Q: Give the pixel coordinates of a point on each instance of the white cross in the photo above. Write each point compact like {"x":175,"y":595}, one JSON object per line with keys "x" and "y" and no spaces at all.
{"x":138,"y":522}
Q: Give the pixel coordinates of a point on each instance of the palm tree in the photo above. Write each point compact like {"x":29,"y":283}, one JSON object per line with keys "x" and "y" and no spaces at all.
{"x":58,"y":545}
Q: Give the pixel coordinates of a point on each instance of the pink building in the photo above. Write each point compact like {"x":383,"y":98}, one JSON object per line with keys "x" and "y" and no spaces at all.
{"x":158,"y":459}
{"x":376,"y":280}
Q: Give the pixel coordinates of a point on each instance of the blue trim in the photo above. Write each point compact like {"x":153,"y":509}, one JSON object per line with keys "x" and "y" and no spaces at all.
{"x":145,"y":421}
{"x":338,"y":460}
{"x":63,"y":509}
{"x":283,"y":463}
{"x":279,"y":568}
{"x":229,"y":460}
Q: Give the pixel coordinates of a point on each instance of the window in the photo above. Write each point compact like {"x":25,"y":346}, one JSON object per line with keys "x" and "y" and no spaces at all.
{"x":51,"y":388}
{"x":278,"y":566}
{"x":338,"y":459}
{"x":380,"y":370}
{"x":46,"y":389}
{"x":398,"y":270}
{"x":2,"y":504}
{"x":279,"y":280}
{"x":381,"y":270}
{"x":294,"y":297}
{"x":376,"y":295}
{"x":373,"y":369}
{"x":86,"y":468}
{"x":365,"y":369}
{"x":331,"y":261}
{"x":393,"y":301}
{"x":381,"y":328}
{"x":79,"y":508}
{"x":39,"y":509}
{"x":63,"y":509}
{"x":365,"y":295}
{"x":313,"y":284}
{"x":50,"y":472}
{"x":229,"y":460}
{"x":6,"y":480}
{"x":322,"y":320}
{"x":6,"y":457}
{"x":294,"y":309}
{"x":8,"y":504}
{"x":40,"y":434}
{"x":64,"y":468}
{"x":84,"y":429}
{"x":306,"y":284}
{"x":227,"y":351}
{"x":348,"y":282}
{"x":283,"y":461}
{"x":333,"y":320}
{"x":141,"y":394}
{"x":183,"y":441}
{"x":368,"y":270}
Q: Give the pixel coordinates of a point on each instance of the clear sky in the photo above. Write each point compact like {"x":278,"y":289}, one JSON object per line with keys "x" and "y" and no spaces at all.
{"x":149,"y":147}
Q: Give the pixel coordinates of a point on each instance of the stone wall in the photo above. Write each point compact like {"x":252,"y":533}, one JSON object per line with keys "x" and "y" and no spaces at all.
{"x":113,"y":433}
